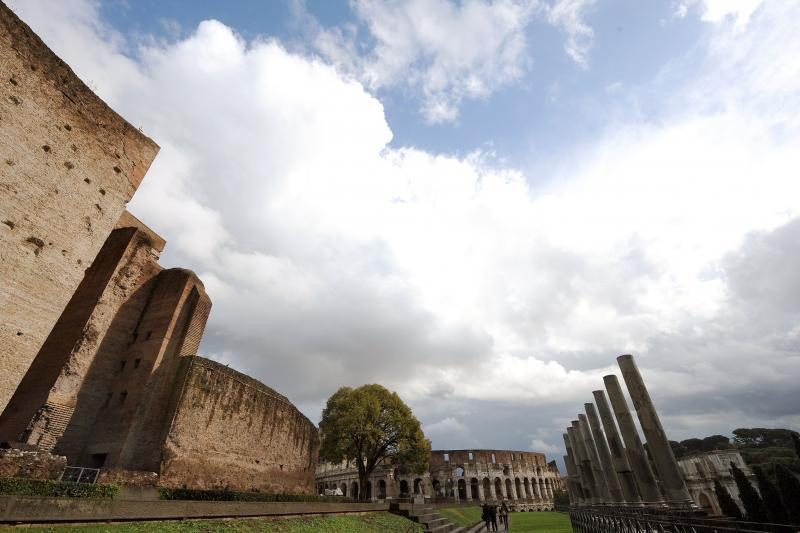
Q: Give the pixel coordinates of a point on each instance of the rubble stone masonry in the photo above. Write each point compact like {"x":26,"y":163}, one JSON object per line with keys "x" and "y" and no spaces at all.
{"x":231,"y":431}
{"x":68,"y":166}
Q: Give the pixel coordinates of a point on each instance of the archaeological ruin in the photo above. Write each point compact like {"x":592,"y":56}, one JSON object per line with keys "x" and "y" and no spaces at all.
{"x":98,"y":362}
{"x":525,"y":479}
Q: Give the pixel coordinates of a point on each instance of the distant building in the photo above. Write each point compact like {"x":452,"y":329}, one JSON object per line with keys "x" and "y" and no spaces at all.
{"x":700,"y":470}
{"x":525,"y":479}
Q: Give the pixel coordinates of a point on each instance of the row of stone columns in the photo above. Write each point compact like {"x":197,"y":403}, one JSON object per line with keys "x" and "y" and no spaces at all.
{"x":604,"y":469}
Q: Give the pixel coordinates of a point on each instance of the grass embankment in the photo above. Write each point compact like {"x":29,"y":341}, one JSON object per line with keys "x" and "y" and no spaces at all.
{"x":543,"y":522}
{"x":463,"y":516}
{"x":370,"y":523}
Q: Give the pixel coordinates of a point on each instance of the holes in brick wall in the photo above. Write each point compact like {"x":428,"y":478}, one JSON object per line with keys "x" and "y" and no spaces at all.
{"x":37,"y":242}
{"x":122,"y":396}
{"x":117,"y":170}
{"x":136,"y":363}
{"x":87,"y":180}
{"x":149,"y":334}
{"x":122,"y":365}
{"x":67,"y":127}
{"x":10,"y":162}
{"x":102,"y":191}
{"x":16,"y":100}
{"x":9,"y":224}
{"x":13,"y":81}
{"x":46,"y":148}
{"x":69,"y":164}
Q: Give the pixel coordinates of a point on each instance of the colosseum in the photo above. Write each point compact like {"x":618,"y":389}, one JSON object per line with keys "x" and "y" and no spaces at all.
{"x":525,"y":479}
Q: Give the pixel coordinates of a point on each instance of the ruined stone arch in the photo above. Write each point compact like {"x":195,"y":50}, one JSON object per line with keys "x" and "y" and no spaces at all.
{"x":459,"y":471}
{"x":418,"y":486}
{"x":473,"y":488}
{"x":404,"y":492}
{"x":344,"y":489}
{"x":520,"y":490}
{"x":381,"y":489}
{"x":487,"y":488}
{"x":528,"y":492}
{"x":705,"y":503}
{"x":509,"y":490}
{"x":354,"y":490}
{"x":462,"y":489}
{"x":498,"y":488}
{"x":437,"y":488}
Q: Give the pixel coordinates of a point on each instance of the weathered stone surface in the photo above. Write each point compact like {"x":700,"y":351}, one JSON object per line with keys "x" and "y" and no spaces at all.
{"x":68,"y":166}
{"x":604,"y":454}
{"x":231,"y":431}
{"x":31,"y":464}
{"x":620,"y":461}
{"x":664,"y":458}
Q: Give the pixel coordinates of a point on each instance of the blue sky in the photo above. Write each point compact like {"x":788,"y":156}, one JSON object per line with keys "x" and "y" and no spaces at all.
{"x":479,"y":204}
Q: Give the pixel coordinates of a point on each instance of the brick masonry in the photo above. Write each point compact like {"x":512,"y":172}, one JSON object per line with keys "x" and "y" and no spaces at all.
{"x":68,"y":166}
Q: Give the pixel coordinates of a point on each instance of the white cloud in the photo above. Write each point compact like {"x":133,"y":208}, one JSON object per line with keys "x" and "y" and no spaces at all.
{"x":333,"y":259}
{"x":739,"y":11}
{"x":447,"y":51}
{"x":569,"y":15}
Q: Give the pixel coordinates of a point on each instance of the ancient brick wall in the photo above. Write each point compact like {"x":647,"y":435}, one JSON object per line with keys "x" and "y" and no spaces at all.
{"x":232,"y":431}
{"x":96,"y":325}
{"x":68,"y":166}
{"x":455,"y":457}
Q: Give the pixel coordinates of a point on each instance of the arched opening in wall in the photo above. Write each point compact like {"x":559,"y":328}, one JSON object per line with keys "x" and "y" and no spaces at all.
{"x":462,"y":489}
{"x":437,"y":488}
{"x":368,"y":491}
{"x":705,"y":503}
{"x":418,"y":486}
{"x":487,"y":488}
{"x":498,"y":488}
{"x":321,"y":489}
{"x":528,"y":492}
{"x":473,"y":488}
{"x":548,"y":488}
{"x":344,"y":489}
{"x":404,"y":489}
{"x":506,"y":471}
{"x":459,"y":471}
{"x":381,"y":490}
{"x":542,"y":492}
{"x":508,"y":488}
{"x":354,"y":490}
{"x":518,"y":486}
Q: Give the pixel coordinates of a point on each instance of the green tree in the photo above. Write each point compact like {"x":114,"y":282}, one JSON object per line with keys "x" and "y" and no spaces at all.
{"x":371,"y":425}
{"x":726,"y":503}
{"x":796,"y":440}
{"x":789,"y":487}
{"x":772,"y":498}
{"x":753,"y":504}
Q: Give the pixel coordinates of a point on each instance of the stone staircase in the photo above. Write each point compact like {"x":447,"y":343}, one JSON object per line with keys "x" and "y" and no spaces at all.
{"x":430,"y":519}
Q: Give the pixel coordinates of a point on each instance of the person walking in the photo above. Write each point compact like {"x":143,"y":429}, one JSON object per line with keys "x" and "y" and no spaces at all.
{"x":493,"y":514}
{"x":504,"y":515}
{"x":486,"y":516}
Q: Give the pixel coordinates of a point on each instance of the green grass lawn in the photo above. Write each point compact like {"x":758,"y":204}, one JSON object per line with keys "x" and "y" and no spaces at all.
{"x":369,"y":523}
{"x":463,"y":516}
{"x":543,"y":522}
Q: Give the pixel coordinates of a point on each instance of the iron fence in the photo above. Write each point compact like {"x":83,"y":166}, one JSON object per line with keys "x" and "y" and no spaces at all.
{"x":78,"y":474}
{"x":609,"y":520}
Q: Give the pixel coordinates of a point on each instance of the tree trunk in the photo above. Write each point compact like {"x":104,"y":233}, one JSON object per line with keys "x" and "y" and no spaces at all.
{"x":363,"y":479}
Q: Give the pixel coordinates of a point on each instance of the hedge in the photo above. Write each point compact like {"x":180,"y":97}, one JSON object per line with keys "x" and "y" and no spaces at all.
{"x":231,"y":496}
{"x":31,"y":487}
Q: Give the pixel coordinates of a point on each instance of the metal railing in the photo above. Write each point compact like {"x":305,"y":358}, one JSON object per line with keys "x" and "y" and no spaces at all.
{"x":78,"y":474}
{"x":616,"y":520}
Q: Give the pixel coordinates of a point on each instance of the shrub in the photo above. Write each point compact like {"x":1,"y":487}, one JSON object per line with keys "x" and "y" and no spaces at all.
{"x":232,"y":496}
{"x":31,"y":487}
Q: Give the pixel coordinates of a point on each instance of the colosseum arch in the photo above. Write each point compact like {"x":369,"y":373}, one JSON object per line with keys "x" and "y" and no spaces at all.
{"x":344,"y":489}
{"x":473,"y":489}
{"x":487,"y":488}
{"x":462,"y":489}
{"x":354,"y":490}
{"x":498,"y":488}
{"x":509,"y":490}
{"x":528,"y":491}
{"x":518,"y":486}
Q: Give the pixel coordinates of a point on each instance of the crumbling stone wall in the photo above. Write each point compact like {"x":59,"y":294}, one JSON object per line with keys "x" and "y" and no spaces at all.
{"x":31,"y":464}
{"x":233,"y":431}
{"x":68,"y":166}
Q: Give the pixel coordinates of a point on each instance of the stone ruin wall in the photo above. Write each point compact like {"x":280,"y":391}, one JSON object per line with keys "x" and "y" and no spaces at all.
{"x":231,"y":431}
{"x":68,"y":166}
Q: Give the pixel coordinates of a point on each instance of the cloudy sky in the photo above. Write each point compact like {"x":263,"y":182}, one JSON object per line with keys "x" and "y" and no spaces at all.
{"x":478,"y":204}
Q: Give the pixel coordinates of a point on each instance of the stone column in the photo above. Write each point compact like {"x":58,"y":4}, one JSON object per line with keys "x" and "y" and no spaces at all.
{"x":513,"y":488}
{"x":573,"y":478}
{"x":664,"y":458}
{"x":468,"y":484}
{"x":597,"y":470}
{"x":645,"y":480}
{"x":614,"y":489}
{"x":481,"y":495}
{"x":627,"y":481}
{"x":582,"y":462}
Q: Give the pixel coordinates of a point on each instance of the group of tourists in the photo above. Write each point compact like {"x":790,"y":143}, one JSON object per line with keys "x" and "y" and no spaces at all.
{"x":490,"y":513}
